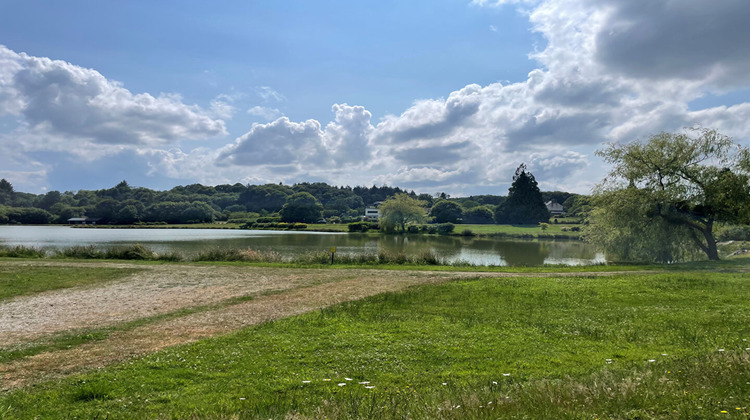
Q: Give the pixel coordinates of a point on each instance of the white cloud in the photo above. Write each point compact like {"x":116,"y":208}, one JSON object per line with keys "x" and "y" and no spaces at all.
{"x":265,"y":113}
{"x":268,"y":94}
{"x":67,"y":104}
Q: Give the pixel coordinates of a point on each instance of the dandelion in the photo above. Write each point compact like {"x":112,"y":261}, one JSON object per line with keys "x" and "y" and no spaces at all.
{"x":342,"y":384}
{"x":723,"y":411}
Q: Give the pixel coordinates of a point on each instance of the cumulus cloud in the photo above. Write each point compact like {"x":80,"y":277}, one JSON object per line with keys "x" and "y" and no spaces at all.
{"x":60,"y":101}
{"x":688,"y":39}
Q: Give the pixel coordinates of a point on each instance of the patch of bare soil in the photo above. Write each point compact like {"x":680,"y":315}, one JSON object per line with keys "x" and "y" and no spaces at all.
{"x":164,"y":289}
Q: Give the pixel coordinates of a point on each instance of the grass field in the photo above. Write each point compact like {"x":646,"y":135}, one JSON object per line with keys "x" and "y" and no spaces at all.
{"x":664,"y":345}
{"x":19,"y":281}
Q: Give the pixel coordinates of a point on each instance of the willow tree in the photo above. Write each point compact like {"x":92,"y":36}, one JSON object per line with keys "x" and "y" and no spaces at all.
{"x":398,"y":211}
{"x":663,"y":197}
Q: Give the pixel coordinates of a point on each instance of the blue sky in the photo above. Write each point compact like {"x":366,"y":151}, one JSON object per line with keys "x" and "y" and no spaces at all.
{"x":433,"y":95}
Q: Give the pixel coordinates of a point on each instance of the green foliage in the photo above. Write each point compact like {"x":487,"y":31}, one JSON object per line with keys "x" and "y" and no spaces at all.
{"x":362,"y":226}
{"x":20,"y":251}
{"x":735,"y":233}
{"x":446,"y":211}
{"x":662,"y":197}
{"x":400,"y":210}
{"x":301,"y":207}
{"x":445,"y":228}
{"x":479,"y":215}
{"x":543,"y":226}
{"x":524,"y":204}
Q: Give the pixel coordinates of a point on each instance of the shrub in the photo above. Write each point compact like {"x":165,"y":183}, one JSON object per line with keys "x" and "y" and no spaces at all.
{"x":575,"y":229}
{"x":80,"y":251}
{"x":358,"y":227}
{"x":413,"y":229}
{"x":467,"y":232}
{"x":299,"y":226}
{"x":734,"y":233}
{"x":543,"y":226}
{"x":445,"y":228}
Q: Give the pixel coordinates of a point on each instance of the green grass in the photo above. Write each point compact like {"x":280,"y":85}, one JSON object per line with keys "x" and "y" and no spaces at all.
{"x":16,"y":280}
{"x":443,"y":352}
{"x":515,"y":230}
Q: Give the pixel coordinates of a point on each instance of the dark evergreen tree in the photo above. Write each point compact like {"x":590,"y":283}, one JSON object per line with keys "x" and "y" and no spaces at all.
{"x":524,"y":205}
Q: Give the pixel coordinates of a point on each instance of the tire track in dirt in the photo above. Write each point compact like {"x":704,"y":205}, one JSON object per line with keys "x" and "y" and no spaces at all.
{"x":294,"y":291}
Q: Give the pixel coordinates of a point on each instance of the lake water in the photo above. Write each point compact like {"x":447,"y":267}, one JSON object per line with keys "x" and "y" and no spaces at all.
{"x":477,"y":251}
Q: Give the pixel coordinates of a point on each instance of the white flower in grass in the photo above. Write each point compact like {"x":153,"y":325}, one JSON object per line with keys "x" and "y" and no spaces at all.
{"x":494,"y":382}
{"x":305,"y":382}
{"x":748,"y":349}
{"x":364,"y":382}
{"x":664,"y":354}
{"x":608,"y":361}
{"x":721,"y":350}
{"x":506,"y":374}
{"x":342,"y":384}
{"x":326,"y":380}
{"x":651,"y":360}
{"x":369,"y":387}
{"x":445,"y":383}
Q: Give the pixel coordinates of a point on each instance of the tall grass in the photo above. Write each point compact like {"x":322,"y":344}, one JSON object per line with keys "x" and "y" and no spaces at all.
{"x":21,"y":251}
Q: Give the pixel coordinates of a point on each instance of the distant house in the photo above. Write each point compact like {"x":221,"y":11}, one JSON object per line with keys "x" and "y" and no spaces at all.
{"x":372,"y":213}
{"x":82,"y":221}
{"x":554,"y":207}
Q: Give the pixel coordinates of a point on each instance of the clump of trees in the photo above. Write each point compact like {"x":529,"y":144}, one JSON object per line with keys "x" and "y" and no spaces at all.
{"x":663,"y":197}
{"x":524,"y":205}
{"x":399,"y":211}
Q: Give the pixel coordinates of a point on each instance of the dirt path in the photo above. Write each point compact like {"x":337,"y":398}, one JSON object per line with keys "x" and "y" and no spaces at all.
{"x":161,"y":289}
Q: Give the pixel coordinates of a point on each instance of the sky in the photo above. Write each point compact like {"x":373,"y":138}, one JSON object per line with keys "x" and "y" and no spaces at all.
{"x":427,"y":95}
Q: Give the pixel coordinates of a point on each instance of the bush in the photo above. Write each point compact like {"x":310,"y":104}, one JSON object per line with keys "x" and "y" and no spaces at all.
{"x":445,"y":228}
{"x":734,"y":233}
{"x":358,"y":227}
{"x":575,"y":229}
{"x":543,"y":226}
{"x":467,"y":232}
{"x":412,"y":229}
{"x":88,"y":252}
{"x":299,"y":226}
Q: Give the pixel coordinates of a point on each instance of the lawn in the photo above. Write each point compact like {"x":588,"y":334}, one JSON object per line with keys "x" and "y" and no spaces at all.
{"x":18,"y":280}
{"x":666,"y":345}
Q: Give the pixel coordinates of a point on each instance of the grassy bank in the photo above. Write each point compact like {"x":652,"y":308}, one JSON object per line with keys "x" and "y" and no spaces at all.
{"x":669,"y":345}
{"x":510,"y":231}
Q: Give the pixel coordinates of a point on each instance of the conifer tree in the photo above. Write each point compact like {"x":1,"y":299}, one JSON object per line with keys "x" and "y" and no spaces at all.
{"x":524,"y":205}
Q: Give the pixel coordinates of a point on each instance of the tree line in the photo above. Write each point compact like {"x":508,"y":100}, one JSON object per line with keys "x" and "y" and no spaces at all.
{"x":196,"y":203}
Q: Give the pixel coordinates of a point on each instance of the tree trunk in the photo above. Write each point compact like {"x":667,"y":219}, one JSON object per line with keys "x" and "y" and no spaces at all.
{"x":711,"y":250}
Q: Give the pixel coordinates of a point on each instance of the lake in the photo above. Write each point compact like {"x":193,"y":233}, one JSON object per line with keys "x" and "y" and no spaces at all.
{"x":477,"y":251}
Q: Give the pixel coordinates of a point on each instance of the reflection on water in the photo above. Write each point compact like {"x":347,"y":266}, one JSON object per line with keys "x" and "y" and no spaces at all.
{"x":478,"y":251}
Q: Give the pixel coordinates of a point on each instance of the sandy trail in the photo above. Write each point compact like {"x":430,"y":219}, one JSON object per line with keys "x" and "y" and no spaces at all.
{"x":161,"y":289}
